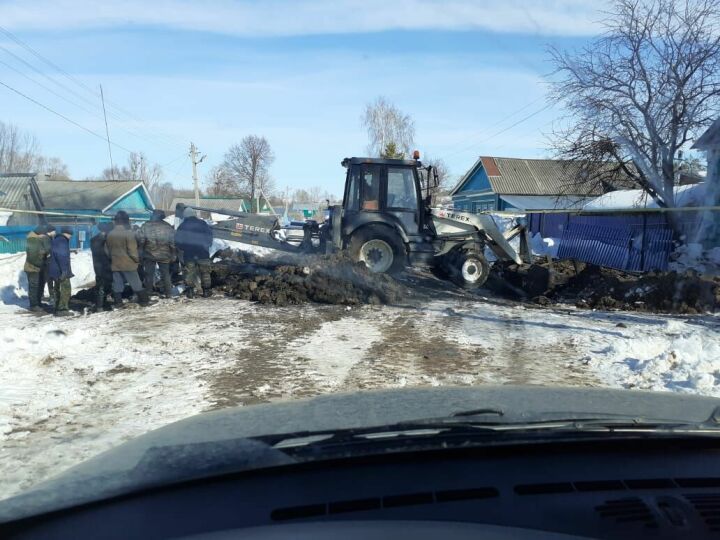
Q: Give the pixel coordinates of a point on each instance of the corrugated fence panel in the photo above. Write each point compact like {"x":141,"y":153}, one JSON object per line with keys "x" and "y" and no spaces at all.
{"x":606,"y":246}
{"x":634,"y":242}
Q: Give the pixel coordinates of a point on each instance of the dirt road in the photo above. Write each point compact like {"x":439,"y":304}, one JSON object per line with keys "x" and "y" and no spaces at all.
{"x":72,"y":388}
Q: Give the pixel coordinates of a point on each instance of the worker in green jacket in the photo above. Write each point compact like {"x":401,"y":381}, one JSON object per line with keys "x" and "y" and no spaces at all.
{"x":37,"y":251}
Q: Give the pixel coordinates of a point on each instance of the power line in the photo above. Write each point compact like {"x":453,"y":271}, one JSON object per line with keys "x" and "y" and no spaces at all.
{"x":73,"y":122}
{"x":48,"y":89}
{"x":524,"y":119}
{"x":73,"y":93}
{"x":160,"y":136}
{"x":486,"y":129}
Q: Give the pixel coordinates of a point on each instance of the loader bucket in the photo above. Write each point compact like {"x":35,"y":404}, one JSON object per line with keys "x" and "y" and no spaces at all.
{"x":496,"y":241}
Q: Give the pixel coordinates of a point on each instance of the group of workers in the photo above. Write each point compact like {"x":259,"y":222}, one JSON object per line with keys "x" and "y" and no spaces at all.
{"x":121,"y":255}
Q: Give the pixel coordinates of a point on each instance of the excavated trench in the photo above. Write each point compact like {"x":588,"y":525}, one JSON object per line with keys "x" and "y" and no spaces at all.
{"x":284,"y":280}
{"x":594,"y":287}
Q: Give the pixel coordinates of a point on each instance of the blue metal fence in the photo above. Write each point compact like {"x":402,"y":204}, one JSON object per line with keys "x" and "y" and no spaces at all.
{"x":12,"y":239}
{"x":632,"y":248}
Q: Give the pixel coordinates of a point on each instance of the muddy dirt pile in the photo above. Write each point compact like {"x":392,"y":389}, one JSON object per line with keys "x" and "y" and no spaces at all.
{"x":327,"y":279}
{"x":591,"y":286}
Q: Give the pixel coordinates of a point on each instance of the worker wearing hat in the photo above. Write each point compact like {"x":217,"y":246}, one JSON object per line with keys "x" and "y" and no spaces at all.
{"x":37,"y":251}
{"x":60,"y":271}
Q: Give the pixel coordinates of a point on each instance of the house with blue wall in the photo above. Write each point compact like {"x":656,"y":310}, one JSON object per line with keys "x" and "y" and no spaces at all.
{"x":93,"y":197}
{"x":497,"y":183}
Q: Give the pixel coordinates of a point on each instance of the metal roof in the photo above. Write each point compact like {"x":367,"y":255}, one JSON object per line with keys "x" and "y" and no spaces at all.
{"x":709,"y":139}
{"x":84,"y":195}
{"x":519,"y":176}
{"x":215,"y":203}
{"x":540,"y":177}
{"x":20,"y":191}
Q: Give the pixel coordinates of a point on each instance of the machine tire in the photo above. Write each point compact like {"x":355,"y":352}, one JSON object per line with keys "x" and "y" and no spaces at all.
{"x":378,"y":242}
{"x":468,"y":269}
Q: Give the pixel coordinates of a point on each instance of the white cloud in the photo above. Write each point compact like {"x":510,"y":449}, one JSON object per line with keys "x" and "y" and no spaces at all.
{"x":307,"y":17}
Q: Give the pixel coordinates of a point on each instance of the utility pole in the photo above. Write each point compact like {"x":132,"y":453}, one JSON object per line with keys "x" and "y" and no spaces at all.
{"x":107,"y":133}
{"x":195,"y":163}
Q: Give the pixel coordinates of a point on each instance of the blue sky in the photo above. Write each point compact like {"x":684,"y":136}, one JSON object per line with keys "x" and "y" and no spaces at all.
{"x":298,"y":73}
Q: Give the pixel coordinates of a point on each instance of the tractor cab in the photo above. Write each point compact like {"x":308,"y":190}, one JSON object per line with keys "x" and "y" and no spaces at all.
{"x":384,"y":217}
{"x":388,"y":189}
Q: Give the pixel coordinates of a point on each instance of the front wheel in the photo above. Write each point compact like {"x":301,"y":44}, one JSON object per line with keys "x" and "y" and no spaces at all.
{"x":380,"y":249}
{"x":469,"y":270}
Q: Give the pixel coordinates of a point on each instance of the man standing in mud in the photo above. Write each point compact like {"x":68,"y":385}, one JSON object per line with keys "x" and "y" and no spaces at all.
{"x":37,"y":252}
{"x":157,"y":245}
{"x":101,"y":265}
{"x":194,"y":238}
{"x":61,"y":272}
{"x":121,"y":247}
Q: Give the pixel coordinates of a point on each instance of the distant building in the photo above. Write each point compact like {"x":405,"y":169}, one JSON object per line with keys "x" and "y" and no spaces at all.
{"x":95,"y":197}
{"x":19,"y":191}
{"x":495,"y":183}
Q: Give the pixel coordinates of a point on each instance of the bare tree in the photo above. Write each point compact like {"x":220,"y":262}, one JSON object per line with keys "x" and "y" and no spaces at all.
{"x":219,"y":182}
{"x":246,"y":165}
{"x":18,"y":150}
{"x":52,"y":168}
{"x":391,"y":133}
{"x":301,"y":196}
{"x":20,"y":153}
{"x":640,"y":93}
{"x":137,"y":169}
{"x":162,"y":195}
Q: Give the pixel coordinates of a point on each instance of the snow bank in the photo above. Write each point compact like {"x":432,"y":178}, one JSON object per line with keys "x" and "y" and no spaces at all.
{"x":679,"y":356}
{"x":13,"y":281}
{"x":692,"y":195}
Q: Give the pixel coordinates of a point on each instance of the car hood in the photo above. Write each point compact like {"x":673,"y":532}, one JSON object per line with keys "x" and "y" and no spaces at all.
{"x":220,"y":442}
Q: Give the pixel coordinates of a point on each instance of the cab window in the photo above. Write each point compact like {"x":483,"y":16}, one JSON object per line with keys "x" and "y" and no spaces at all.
{"x":364,"y":189}
{"x":401,"y":188}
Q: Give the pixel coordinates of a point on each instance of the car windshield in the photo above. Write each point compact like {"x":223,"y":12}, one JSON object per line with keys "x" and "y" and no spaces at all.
{"x":206,"y":208}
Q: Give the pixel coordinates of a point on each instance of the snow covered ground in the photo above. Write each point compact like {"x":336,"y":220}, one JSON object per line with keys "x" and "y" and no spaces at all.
{"x":70,"y":388}
{"x":13,"y":281}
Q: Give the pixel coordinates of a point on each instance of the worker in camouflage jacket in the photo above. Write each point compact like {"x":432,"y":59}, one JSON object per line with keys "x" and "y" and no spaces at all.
{"x":101,"y":265}
{"x":157,"y":244}
{"x":37,"y":251}
{"x":60,"y":271}
{"x":121,"y":246}
{"x":193,"y":239}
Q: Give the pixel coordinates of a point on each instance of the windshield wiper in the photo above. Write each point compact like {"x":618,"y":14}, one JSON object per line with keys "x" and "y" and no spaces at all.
{"x":458,"y":428}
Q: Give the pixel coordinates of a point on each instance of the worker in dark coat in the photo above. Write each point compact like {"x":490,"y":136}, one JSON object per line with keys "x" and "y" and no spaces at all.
{"x":101,"y":265}
{"x":60,"y":271}
{"x":121,"y":246}
{"x":194,"y":238}
{"x":157,"y":244}
{"x":37,"y":251}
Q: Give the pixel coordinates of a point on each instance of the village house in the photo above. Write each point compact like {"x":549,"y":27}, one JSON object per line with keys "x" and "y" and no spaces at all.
{"x":497,"y":183}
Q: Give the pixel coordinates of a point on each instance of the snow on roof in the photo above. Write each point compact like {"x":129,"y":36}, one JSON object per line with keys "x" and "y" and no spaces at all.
{"x":690,"y":195}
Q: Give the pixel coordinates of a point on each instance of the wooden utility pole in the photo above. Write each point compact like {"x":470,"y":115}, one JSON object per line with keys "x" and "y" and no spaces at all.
{"x":195,"y":163}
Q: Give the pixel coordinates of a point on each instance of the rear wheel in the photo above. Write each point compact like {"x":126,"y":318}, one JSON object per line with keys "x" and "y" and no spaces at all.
{"x":468,"y":270}
{"x":379,"y":248}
